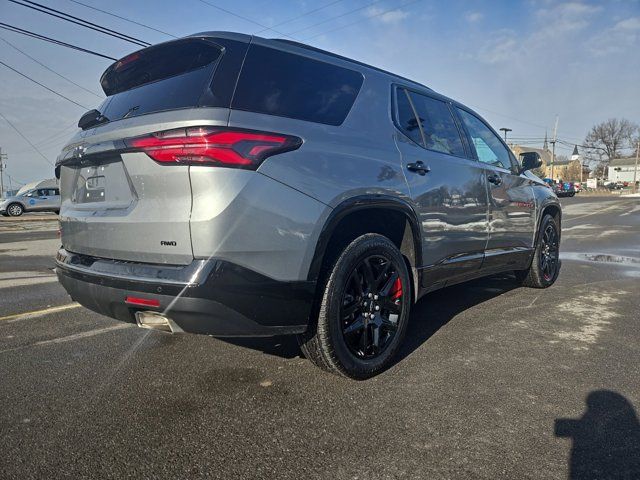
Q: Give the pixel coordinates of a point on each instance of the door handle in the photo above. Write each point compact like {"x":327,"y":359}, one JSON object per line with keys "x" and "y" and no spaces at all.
{"x":495,"y":179}
{"x":418,"y":167}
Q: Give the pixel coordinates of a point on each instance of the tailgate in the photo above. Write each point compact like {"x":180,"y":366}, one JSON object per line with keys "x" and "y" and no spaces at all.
{"x":127,"y":207}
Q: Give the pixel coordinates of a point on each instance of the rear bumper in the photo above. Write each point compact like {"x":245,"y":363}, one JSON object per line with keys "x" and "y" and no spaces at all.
{"x":212,"y":297}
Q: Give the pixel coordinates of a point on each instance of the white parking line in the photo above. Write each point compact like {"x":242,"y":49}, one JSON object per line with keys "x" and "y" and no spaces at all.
{"x":614,"y":206}
{"x":78,"y":336}
{"x":25,"y":281}
{"x":70,"y":338}
{"x":39,"y":313}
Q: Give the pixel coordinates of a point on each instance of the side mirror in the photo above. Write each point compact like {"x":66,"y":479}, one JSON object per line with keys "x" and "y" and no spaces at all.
{"x":530,"y":160}
{"x":91,"y":118}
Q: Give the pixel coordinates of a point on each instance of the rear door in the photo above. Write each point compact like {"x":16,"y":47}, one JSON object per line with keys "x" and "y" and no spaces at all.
{"x":512,"y":219}
{"x":447,"y":186}
{"x":121,"y":204}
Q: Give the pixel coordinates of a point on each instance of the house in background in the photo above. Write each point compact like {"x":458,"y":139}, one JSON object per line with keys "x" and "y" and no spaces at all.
{"x":622,"y":170}
{"x":568,"y":170}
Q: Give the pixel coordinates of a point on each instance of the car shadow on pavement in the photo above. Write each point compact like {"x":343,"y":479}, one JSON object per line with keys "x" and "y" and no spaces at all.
{"x":606,"y":439}
{"x":432,"y":312}
{"x":436,"y":309}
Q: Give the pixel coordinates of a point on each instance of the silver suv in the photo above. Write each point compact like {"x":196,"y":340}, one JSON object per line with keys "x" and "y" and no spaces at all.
{"x":233,"y":185}
{"x":35,"y":200}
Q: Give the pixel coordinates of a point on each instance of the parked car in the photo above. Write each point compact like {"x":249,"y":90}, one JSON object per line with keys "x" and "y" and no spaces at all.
{"x":36,"y":200}
{"x":614,"y":185}
{"x":564,"y":189}
{"x":232,"y":185}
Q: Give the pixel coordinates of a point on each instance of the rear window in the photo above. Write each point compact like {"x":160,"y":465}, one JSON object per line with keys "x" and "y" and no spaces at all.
{"x":166,"y":77}
{"x":288,"y":85}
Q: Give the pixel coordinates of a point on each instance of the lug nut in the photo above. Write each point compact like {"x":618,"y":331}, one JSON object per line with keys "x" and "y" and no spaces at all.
{"x":370,"y":295}
{"x":375,"y":297}
{"x":377,"y":307}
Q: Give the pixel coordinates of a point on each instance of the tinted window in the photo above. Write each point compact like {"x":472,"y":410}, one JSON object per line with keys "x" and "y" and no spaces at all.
{"x":406,"y":119}
{"x":288,"y":85}
{"x":158,"y":63}
{"x":170,"y":76}
{"x":182,"y":91}
{"x":487,"y":144}
{"x":438,"y":126}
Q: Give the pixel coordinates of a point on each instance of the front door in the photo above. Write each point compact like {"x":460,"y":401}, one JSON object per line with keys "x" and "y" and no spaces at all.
{"x":512,"y":218}
{"x":446,"y":185}
{"x":46,"y":199}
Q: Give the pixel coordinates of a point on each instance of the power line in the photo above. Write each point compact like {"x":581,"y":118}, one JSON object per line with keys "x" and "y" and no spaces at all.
{"x":507,"y":116}
{"x":292,"y":19}
{"x":79,"y":21}
{"x":336,"y":17}
{"x":26,"y":139}
{"x":229,"y":12}
{"x":15,"y":180}
{"x":43,"y":86}
{"x":363,"y":19}
{"x":123,"y":18}
{"x":38,"y":36}
{"x":59,"y":137}
{"x":50,"y":69}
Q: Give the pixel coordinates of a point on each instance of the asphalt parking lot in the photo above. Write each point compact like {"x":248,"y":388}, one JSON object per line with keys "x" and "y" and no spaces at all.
{"x":493,"y":381}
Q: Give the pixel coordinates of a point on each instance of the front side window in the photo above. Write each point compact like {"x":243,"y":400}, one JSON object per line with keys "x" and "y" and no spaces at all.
{"x":489,"y":148}
{"x":438,"y":126}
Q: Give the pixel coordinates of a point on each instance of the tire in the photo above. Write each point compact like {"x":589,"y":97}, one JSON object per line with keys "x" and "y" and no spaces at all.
{"x":369,"y":277}
{"x":545,"y":265}
{"x":15,"y":210}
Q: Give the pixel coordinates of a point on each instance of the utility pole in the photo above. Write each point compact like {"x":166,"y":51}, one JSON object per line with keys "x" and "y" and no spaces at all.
{"x":505,"y":130}
{"x":3,"y":156}
{"x":635,"y":170}
{"x":553,"y":148}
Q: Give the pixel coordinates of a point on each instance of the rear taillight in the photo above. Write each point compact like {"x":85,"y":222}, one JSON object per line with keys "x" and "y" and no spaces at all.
{"x":213,"y":146}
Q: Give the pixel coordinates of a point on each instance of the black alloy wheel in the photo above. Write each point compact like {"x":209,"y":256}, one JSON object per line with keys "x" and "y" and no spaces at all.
{"x":549,"y":252}
{"x":371,"y":307}
{"x":364,"y":309}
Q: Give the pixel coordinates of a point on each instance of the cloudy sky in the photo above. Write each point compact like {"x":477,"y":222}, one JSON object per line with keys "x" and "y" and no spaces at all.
{"x":517,"y":63}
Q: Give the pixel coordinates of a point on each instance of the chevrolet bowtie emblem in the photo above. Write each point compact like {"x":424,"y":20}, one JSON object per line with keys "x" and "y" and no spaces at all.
{"x":79,"y":151}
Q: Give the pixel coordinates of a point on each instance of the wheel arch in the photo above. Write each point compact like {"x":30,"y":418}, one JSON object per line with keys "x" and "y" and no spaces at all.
{"x":389,"y":216}
{"x":17,"y":202}
{"x":555,"y":211}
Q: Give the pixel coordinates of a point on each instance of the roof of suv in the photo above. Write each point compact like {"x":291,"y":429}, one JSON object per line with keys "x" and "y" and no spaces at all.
{"x":276,"y":42}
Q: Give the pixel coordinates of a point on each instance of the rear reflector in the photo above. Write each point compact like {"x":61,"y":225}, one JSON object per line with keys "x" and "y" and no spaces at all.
{"x":142,"y":302}
{"x":213,"y":146}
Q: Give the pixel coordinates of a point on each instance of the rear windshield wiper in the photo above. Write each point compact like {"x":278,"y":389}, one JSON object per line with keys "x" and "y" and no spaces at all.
{"x":130,"y":111}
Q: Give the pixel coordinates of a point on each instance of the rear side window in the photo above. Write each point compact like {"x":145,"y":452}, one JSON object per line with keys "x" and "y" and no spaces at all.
{"x":406,"y":120}
{"x":288,"y":85}
{"x":438,"y":126}
{"x":166,"y":77}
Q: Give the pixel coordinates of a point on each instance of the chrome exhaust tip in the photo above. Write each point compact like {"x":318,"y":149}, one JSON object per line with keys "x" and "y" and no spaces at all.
{"x":156,"y":321}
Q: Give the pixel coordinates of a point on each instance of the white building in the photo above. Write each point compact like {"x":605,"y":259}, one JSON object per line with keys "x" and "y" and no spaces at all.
{"x":621,"y":170}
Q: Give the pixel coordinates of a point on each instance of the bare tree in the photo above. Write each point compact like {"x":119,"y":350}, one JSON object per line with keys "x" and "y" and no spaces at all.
{"x":612,"y":136}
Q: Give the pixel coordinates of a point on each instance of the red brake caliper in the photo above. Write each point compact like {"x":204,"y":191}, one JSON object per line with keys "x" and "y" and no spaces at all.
{"x":396,"y":290}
